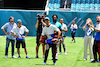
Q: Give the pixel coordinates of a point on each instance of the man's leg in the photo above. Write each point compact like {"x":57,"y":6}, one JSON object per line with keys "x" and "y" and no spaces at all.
{"x":64,"y":47}
{"x":91,"y":47}
{"x":99,"y":50}
{"x":54,"y":53}
{"x":46,"y":52}
{"x":37,"y":49}
{"x":13,"y":42}
{"x":7,"y":46}
{"x":60,"y":48}
{"x":43,"y":50}
{"x":85,"y":47}
{"x":18,"y":48}
{"x":95,"y":51}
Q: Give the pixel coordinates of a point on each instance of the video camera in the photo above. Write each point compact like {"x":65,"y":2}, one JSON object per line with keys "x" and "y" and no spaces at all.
{"x":39,"y":17}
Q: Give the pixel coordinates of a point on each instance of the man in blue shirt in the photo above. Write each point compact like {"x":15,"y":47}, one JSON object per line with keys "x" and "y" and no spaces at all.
{"x":96,"y":46}
{"x":10,"y":38}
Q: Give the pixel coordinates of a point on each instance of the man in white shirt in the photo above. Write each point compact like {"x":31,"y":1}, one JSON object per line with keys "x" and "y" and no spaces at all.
{"x":64,"y":29}
{"x":48,"y":30}
{"x":10,"y":38}
{"x":73,"y":31}
{"x":18,"y":32}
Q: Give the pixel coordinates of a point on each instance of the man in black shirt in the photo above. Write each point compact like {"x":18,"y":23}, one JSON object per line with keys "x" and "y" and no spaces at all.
{"x":39,"y":25}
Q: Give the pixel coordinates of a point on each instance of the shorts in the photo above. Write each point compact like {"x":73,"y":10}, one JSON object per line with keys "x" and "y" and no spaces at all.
{"x":73,"y":35}
{"x":20,"y":42}
{"x":37,"y":38}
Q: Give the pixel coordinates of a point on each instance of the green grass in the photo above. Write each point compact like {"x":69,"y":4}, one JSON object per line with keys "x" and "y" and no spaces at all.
{"x":73,"y":59}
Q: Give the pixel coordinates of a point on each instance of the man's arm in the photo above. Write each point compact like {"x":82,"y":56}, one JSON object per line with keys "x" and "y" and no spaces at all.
{"x":84,"y":27}
{"x":37,"y":24}
{"x":96,"y":29}
{"x":5,"y":31}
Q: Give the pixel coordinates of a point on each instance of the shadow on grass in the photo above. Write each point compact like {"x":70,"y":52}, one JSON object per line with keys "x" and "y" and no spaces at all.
{"x":46,"y":64}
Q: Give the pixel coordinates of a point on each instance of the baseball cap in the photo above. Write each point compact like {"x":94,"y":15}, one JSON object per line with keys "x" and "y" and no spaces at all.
{"x":46,"y":18}
{"x":19,"y":21}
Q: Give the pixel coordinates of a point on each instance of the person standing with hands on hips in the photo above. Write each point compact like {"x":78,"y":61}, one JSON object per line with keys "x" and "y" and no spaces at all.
{"x":18,"y":32}
{"x":10,"y":38}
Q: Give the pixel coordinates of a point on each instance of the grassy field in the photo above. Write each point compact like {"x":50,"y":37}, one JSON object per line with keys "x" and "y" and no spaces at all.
{"x":73,"y":59}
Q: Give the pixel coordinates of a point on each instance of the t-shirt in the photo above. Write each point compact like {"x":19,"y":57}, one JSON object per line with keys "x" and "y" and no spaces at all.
{"x":64,"y":26}
{"x":48,"y":31}
{"x":19,"y":32}
{"x":73,"y":30}
{"x":88,"y":31}
{"x":57,"y":24}
{"x":97,"y":36}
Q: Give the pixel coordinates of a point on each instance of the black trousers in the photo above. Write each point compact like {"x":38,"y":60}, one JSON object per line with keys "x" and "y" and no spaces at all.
{"x":96,"y":49}
{"x":53,"y":46}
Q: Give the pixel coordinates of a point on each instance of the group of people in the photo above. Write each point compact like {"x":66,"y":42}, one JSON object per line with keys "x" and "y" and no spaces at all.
{"x":94,"y":46}
{"x":47,"y":28}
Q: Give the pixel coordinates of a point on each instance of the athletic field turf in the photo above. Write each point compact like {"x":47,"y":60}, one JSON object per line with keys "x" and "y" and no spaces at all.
{"x":73,"y":59}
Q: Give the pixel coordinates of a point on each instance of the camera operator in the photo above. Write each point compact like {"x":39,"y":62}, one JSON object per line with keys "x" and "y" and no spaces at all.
{"x":39,"y":25}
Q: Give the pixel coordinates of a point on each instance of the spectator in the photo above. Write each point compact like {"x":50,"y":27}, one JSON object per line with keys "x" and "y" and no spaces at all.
{"x":10,"y":38}
{"x":88,"y":39}
{"x":64,"y":29}
{"x":18,"y":32}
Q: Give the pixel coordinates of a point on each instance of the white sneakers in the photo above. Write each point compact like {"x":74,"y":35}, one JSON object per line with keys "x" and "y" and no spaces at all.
{"x":6,"y":56}
{"x":61,"y":53}
{"x":65,"y":53}
{"x":12,"y":56}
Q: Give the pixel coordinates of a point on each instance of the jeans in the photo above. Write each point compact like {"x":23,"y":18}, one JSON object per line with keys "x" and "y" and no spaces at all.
{"x":7,"y":46}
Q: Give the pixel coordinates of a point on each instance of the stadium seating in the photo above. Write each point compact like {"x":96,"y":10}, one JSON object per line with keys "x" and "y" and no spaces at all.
{"x":85,"y":5}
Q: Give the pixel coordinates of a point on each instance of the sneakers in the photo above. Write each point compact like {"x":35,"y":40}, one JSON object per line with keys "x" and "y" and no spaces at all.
{"x":94,"y":61}
{"x":44,"y":63}
{"x":54,"y":63}
{"x":84,"y":59}
{"x":37,"y":56}
{"x":14,"y":56}
{"x":6,"y":56}
{"x":91,"y":59}
{"x":60,"y":53}
{"x":27,"y":57}
{"x":74,"y":41}
{"x":65,"y":53}
{"x":19,"y":57}
{"x":71,"y":41}
{"x":98,"y":61}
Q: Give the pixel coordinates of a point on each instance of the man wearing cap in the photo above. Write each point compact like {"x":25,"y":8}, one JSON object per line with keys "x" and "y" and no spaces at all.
{"x":10,"y":38}
{"x":48,"y":30}
{"x":18,"y":32}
